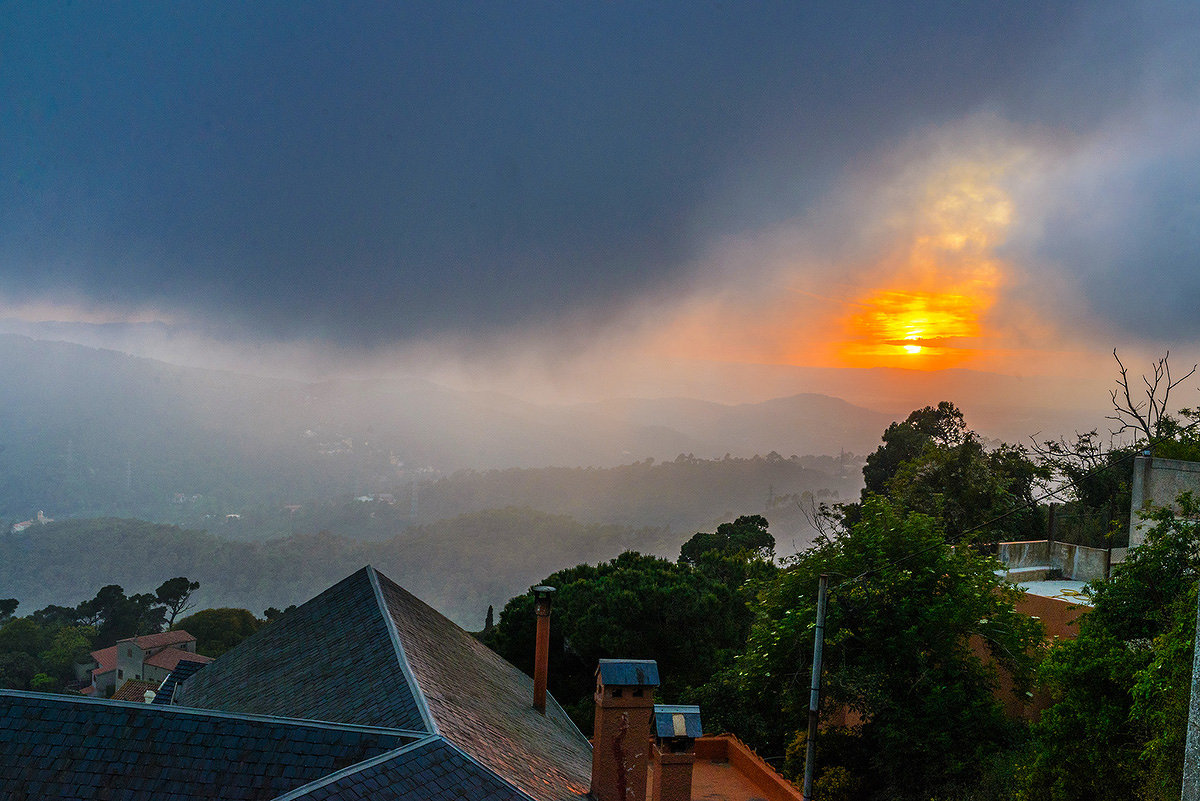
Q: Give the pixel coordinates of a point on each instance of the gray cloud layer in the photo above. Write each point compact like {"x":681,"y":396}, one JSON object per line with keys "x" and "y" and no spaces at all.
{"x":368,"y":174}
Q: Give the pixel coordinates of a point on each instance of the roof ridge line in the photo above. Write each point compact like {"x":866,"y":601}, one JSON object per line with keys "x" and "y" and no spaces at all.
{"x":567,"y":717}
{"x":491,"y":771}
{"x":218,"y":713}
{"x":394,"y":634}
{"x":357,"y":767}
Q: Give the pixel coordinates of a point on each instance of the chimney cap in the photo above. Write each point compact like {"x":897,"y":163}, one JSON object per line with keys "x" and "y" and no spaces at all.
{"x":542,"y":590}
{"x":677,"y":720}
{"x":628,"y":672}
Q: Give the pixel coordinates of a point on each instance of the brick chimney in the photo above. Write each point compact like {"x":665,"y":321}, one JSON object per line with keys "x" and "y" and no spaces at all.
{"x":621,"y":743}
{"x":541,"y":653}
{"x":673,"y":752}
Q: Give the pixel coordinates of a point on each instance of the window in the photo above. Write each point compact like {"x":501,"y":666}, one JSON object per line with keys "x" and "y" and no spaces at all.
{"x":120,"y":674}
{"x":128,"y":652}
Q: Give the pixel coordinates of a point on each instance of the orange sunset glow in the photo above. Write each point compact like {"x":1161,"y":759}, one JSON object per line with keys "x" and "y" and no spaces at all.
{"x":913,"y":329}
{"x":930,"y":315}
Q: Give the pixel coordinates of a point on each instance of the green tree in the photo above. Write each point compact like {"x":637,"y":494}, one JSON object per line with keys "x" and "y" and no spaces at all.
{"x":635,"y":606}
{"x":218,"y":630}
{"x":942,"y":426}
{"x":17,"y":669}
{"x":904,"y":614}
{"x":116,"y":616}
{"x":70,"y":645}
{"x":1116,"y":726}
{"x":175,"y":595}
{"x":7,"y":607}
{"x":746,"y":537}
{"x":977,"y":494}
{"x":23,"y":635}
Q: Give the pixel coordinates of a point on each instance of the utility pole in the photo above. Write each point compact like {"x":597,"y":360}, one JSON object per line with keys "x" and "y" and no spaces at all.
{"x":1191,"y":749}
{"x":814,"y":695}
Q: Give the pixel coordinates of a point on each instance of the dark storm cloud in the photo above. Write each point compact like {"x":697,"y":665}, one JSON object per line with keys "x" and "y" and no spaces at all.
{"x":367,"y":173}
{"x":1116,"y":213}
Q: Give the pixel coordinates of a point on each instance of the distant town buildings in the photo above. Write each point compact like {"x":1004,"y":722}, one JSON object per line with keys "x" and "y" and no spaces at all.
{"x":40,"y":520}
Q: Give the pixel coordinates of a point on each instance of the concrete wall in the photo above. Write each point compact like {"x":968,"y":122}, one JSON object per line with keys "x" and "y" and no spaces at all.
{"x":129,"y":661}
{"x":1158,"y":482}
{"x":1078,"y":562}
{"x":1028,"y":553}
{"x":1075,"y":561}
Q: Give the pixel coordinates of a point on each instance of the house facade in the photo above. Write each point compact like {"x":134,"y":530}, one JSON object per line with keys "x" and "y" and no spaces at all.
{"x":151,"y":657}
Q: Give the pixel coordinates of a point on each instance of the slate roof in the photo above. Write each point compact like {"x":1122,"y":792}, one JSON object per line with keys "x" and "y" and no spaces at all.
{"x":628,"y":672}
{"x":70,"y":747}
{"x":687,"y":716}
{"x":429,"y":770}
{"x":182,"y":672}
{"x":366,"y":651}
{"x":484,"y":705}
{"x":363,"y":692}
{"x":330,"y":659}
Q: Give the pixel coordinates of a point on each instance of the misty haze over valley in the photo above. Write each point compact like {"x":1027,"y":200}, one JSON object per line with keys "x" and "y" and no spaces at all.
{"x":402,"y":471}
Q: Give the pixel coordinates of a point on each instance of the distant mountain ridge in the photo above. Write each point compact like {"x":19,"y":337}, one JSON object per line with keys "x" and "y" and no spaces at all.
{"x":87,"y":431}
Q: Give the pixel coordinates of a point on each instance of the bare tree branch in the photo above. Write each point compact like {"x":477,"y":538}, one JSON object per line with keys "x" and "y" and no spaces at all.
{"x":1145,"y":417}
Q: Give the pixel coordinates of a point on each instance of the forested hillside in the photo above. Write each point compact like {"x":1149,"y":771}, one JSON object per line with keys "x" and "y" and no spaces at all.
{"x":459,"y":566}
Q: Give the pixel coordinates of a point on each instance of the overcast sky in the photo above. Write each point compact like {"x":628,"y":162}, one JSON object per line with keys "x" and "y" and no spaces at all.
{"x":572,"y":183}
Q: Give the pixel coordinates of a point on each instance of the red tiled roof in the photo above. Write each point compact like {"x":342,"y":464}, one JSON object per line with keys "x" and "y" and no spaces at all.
{"x":148,"y":641}
{"x":134,"y":690}
{"x":106,"y":658}
{"x":168,"y":658}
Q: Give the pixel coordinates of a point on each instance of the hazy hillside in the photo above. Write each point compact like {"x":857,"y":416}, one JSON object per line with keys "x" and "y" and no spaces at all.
{"x":95,"y":432}
{"x":460,"y":566}
{"x":685,"y":494}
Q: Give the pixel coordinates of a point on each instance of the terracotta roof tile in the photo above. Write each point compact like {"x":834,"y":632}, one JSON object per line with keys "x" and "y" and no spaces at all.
{"x":134,"y":690}
{"x":160,"y":640}
{"x":106,"y":658}
{"x":168,"y":658}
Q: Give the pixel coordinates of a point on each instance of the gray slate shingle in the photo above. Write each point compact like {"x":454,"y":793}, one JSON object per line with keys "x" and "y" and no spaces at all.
{"x":65,"y":747}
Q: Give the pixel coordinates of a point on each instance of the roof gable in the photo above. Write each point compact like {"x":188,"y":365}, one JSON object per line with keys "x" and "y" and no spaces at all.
{"x":106,"y":658}
{"x":332,"y":658}
{"x":484,"y":705}
{"x":168,"y":658}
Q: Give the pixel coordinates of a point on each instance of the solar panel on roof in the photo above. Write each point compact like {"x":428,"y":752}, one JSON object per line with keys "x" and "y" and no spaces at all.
{"x":181,"y":673}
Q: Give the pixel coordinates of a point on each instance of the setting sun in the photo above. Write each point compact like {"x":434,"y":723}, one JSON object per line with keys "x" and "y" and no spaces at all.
{"x":941,"y":278}
{"x":901,"y":324}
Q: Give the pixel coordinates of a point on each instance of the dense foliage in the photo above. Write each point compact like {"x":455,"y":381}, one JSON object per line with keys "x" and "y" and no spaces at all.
{"x":932,"y":463}
{"x":42,"y":651}
{"x":913,"y":633}
{"x":1117,"y":725}
{"x":690,"y":616}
